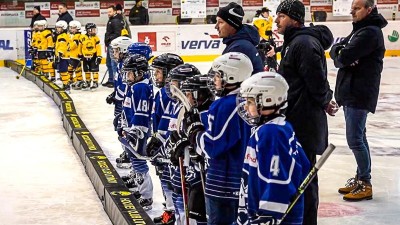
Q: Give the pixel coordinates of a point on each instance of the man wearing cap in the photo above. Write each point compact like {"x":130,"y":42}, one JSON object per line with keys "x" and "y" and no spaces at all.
{"x":303,"y":65}
{"x":36,"y":16}
{"x":138,"y":14}
{"x":119,"y":8}
{"x":238,"y":37}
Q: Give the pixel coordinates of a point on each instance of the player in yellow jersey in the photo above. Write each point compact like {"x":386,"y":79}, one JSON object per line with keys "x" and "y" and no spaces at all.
{"x":91,"y":51}
{"x":62,"y":53}
{"x":263,"y":22}
{"x":45,"y":50}
{"x":75,"y":55}
{"x":33,"y":48}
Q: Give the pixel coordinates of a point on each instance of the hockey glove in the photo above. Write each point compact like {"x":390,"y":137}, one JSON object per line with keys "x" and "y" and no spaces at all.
{"x":170,"y":146}
{"x":133,"y":139}
{"x":192,"y":124}
{"x":263,"y":220}
{"x":194,"y":157}
{"x":153,"y":146}
{"x":179,"y":150}
{"x":110,"y":98}
{"x":98,"y":60}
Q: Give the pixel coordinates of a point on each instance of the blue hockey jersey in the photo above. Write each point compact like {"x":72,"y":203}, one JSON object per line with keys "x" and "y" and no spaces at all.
{"x":274,"y":167}
{"x":162,"y":105}
{"x":224,"y":143}
{"x":119,"y":89}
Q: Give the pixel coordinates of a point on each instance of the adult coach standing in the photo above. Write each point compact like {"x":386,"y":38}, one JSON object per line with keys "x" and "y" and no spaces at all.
{"x":238,"y":37}
{"x":63,"y":13}
{"x":359,"y":58}
{"x":36,"y":16}
{"x":304,"y":67}
{"x":115,"y":25}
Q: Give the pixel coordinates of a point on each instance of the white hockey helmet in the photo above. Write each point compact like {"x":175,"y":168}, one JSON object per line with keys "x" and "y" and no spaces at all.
{"x":62,"y":24}
{"x":269,"y":91}
{"x":41,"y":23}
{"x":232,"y":68}
{"x":74,"y":24}
{"x":120,"y":46}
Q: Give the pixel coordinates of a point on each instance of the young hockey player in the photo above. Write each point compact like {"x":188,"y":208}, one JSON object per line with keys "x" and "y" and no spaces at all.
{"x":120,"y":51}
{"x":45,"y":50}
{"x":91,"y":52}
{"x":162,"y":112}
{"x":62,"y":53}
{"x":136,"y":118}
{"x":274,"y":164}
{"x":75,"y":47}
{"x":224,"y":141}
{"x":33,"y":48}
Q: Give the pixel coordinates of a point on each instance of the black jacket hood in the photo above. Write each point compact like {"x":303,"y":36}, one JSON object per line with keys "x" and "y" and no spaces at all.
{"x":247,"y":32}
{"x":373,"y":19}
{"x":320,"y":32}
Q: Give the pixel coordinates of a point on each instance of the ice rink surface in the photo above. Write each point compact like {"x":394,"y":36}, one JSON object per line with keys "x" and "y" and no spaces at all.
{"x":42,"y":180}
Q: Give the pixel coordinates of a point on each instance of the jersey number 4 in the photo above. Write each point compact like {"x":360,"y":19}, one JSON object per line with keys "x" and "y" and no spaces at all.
{"x":274,"y":167}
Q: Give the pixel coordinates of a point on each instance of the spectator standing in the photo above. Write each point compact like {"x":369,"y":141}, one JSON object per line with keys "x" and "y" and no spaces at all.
{"x":304,"y":67}
{"x":36,"y":16}
{"x":120,"y":11}
{"x":238,"y":37}
{"x":139,"y":14}
{"x":115,"y":25}
{"x":63,"y":13}
{"x":359,"y":58}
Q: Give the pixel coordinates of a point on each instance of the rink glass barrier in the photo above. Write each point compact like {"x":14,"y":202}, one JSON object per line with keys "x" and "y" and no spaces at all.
{"x":118,"y":202}
{"x":194,"y":43}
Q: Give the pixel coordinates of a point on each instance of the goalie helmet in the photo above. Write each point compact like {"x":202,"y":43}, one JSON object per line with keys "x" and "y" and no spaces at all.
{"x":120,"y":46}
{"x":135,"y":64}
{"x":140,"y":48}
{"x":179,"y":74}
{"x":74,"y":26}
{"x":229,"y":70}
{"x":269,"y":91}
{"x":165,"y":62}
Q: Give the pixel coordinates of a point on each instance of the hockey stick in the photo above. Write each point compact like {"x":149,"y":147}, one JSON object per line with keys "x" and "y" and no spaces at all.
{"x":102,"y":80}
{"x":309,"y":178}
{"x":126,"y":144}
{"x":184,"y":192}
{"x":20,"y":73}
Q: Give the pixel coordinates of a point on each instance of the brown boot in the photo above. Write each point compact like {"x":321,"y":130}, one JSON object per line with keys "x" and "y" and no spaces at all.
{"x":350,"y":185}
{"x":361,"y":192}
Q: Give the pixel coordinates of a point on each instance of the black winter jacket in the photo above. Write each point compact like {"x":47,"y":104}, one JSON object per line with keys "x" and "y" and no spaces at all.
{"x":139,"y":16}
{"x":303,"y":65}
{"x":115,"y":25}
{"x":359,"y":58}
{"x":37,"y":17}
{"x":244,"y":41}
{"x":66,"y":17}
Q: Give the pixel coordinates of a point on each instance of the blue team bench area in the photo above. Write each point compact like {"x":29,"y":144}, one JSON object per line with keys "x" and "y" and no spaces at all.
{"x":119,"y":203}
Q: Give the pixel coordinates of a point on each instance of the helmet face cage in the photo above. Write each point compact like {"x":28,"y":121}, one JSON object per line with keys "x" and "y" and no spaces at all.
{"x":137,"y":66}
{"x":242,"y":103}
{"x":213,"y":78}
{"x":165,"y":62}
{"x":91,"y":29}
{"x":177,"y":75}
{"x":198,"y":88}
{"x":61,"y":26}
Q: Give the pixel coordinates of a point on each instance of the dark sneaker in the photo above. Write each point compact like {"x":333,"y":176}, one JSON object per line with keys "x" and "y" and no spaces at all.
{"x":108,"y":84}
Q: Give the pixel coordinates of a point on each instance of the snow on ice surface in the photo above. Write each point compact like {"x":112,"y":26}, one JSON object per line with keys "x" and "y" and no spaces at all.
{"x":31,"y":126}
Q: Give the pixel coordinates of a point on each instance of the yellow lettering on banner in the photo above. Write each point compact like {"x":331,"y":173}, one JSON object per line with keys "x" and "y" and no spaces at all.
{"x":107,"y":172}
{"x":89,"y":142}
{"x":54,"y":86}
{"x":64,"y":95}
{"x":43,"y":78}
{"x":75,"y":121}
{"x":68,"y":106}
{"x":133,"y":213}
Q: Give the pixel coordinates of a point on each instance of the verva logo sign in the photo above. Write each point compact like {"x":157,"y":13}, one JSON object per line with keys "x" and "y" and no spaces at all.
{"x":212,"y":42}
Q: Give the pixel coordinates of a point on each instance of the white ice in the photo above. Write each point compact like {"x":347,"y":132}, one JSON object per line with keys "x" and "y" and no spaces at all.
{"x":42,"y":180}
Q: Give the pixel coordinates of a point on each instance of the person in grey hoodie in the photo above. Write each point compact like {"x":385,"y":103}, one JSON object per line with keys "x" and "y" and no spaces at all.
{"x":238,"y":37}
{"x":304,"y":67}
